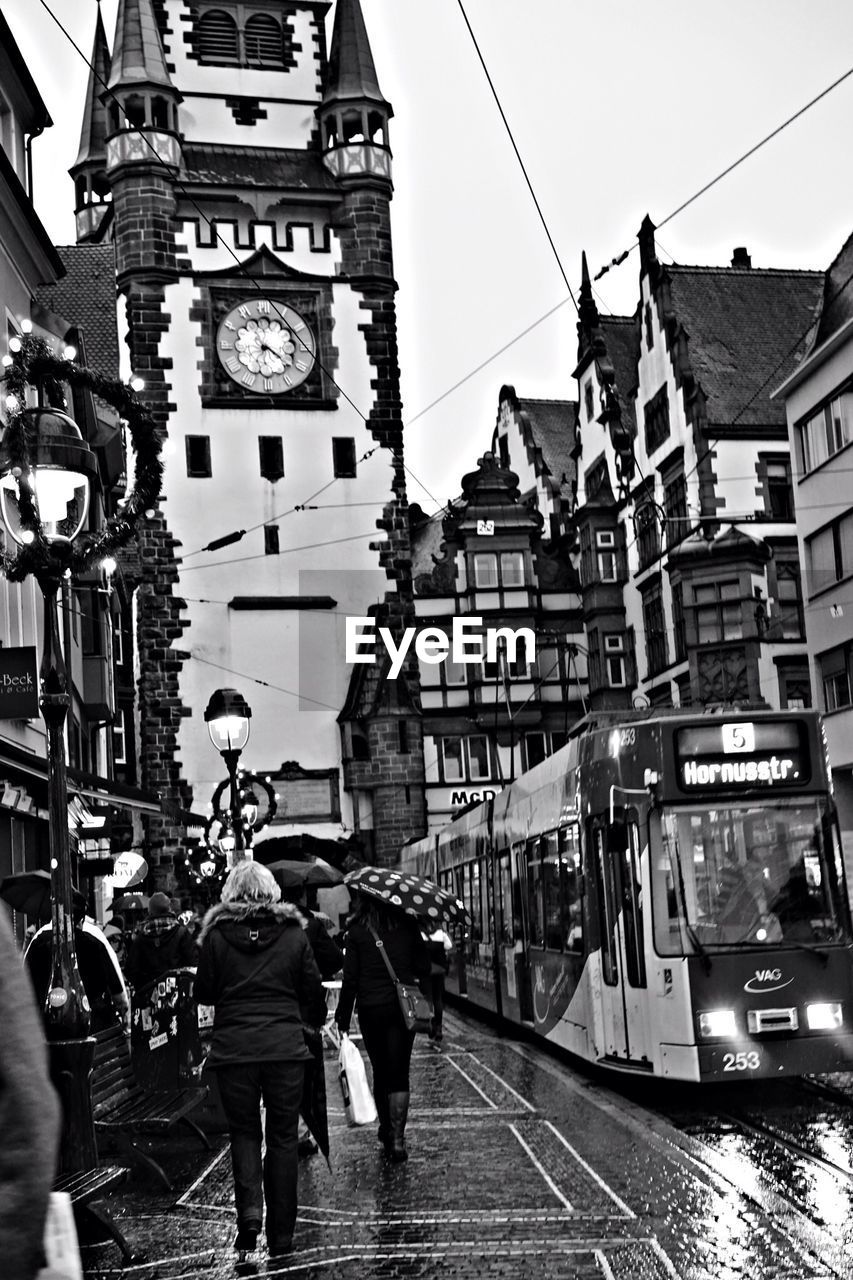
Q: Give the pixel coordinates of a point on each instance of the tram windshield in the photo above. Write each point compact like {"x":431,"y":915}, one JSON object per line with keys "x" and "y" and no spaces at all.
{"x":757,"y":876}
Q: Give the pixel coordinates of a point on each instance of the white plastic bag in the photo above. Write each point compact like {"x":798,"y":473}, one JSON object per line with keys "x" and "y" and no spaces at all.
{"x":61,"y":1249}
{"x":358,"y":1100}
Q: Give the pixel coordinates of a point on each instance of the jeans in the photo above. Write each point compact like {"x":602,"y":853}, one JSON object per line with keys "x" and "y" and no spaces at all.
{"x":241,"y":1088}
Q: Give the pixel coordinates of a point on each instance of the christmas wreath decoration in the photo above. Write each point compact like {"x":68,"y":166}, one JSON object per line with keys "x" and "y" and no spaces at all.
{"x":35,"y":364}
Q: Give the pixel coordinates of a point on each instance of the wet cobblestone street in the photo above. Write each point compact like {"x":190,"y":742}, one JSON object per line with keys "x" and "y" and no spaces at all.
{"x":518,"y":1167}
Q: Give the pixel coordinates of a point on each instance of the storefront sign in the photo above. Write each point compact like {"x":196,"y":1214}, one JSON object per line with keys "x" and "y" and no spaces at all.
{"x":19,"y":696}
{"x":130,"y":869}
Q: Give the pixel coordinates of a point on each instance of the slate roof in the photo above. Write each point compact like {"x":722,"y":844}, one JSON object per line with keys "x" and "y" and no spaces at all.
{"x":86,"y":297}
{"x":138,"y":56}
{"x":837,"y":295}
{"x":746,"y":329}
{"x":352,"y":74}
{"x":552,"y":424}
{"x":266,"y":167}
{"x":95,"y":120}
{"x":622,"y":336}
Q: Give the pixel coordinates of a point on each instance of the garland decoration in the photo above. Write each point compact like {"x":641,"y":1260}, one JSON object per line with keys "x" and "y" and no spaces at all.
{"x":207,"y":863}
{"x":35,"y":364}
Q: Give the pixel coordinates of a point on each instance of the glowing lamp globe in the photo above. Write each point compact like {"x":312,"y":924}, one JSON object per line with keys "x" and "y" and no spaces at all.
{"x":227,"y":716}
{"x":58,"y":478}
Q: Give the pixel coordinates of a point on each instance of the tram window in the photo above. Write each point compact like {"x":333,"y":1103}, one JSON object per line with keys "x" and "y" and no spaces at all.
{"x":570,"y":860}
{"x":632,"y":912}
{"x":606,"y":910}
{"x":505,"y":923}
{"x":535,"y":903}
{"x":551,"y":892}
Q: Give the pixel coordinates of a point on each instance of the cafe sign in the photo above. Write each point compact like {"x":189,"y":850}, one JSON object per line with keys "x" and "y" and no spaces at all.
{"x":19,"y":695}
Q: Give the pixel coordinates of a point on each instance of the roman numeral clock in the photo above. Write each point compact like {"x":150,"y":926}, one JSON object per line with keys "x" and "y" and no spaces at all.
{"x":266,"y":346}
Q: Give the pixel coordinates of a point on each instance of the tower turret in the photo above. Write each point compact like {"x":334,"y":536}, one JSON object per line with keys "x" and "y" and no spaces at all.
{"x":92,"y":194}
{"x":141,"y":100}
{"x":354,"y":114}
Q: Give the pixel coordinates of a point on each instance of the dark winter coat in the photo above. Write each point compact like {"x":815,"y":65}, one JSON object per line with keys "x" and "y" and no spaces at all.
{"x":365,"y":976}
{"x":257,"y":969}
{"x":159,"y":944}
{"x":327,"y":953}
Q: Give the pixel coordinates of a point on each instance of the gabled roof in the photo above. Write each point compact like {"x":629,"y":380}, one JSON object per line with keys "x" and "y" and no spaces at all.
{"x":95,"y":120}
{"x":837,"y":306}
{"x":352,"y":74}
{"x":138,"y":56}
{"x":552,"y":425}
{"x":746,"y":328}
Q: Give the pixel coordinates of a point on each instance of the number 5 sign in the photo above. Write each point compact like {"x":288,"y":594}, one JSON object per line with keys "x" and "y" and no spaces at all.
{"x":738,"y":737}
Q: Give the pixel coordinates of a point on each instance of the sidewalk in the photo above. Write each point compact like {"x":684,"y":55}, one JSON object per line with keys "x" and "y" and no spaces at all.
{"x":517,"y":1167}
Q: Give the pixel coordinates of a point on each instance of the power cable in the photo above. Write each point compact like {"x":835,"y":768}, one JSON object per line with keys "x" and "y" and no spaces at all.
{"x":517,"y":153}
{"x":620,"y":258}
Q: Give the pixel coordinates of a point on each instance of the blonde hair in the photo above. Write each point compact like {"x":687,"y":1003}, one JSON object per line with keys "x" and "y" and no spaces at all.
{"x":250,"y":881}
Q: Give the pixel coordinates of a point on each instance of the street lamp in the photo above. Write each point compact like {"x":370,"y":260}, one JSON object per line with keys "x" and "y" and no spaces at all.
{"x":227,"y":715}
{"x":47,"y":502}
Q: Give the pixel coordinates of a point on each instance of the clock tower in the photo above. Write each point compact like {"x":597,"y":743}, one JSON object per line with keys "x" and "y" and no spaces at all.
{"x":249,"y":178}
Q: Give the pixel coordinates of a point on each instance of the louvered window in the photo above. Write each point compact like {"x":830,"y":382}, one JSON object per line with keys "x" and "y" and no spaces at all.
{"x":217,"y":38}
{"x":262,"y":41}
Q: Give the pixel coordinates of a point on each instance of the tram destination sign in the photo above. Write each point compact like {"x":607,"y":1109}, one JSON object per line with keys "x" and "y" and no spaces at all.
{"x":743,"y":755}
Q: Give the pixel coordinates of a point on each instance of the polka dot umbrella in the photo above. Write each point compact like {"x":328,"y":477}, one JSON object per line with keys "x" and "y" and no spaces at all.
{"x":410,"y":893}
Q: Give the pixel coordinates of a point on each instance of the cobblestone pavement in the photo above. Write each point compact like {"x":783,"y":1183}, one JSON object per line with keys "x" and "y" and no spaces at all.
{"x":518,"y":1167}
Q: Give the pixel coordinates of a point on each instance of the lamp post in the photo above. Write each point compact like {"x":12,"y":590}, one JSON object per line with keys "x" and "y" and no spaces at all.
{"x":49,"y":501}
{"x":227,"y":715}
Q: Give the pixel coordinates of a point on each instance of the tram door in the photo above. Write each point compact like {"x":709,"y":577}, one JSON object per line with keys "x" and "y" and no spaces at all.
{"x":623,"y":996}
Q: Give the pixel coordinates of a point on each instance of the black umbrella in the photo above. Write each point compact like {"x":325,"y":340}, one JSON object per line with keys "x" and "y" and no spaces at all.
{"x":29,"y":893}
{"x":410,"y":893}
{"x":313,"y":1105}
{"x":314,"y":875}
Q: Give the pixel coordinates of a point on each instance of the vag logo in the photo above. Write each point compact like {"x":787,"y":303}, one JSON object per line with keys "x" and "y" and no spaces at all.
{"x":767,"y":980}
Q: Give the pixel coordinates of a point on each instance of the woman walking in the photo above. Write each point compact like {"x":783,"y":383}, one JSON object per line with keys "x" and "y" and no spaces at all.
{"x":256,"y":968}
{"x":366,"y":980}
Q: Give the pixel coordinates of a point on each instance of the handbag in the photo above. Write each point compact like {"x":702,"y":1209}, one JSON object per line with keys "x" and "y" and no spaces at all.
{"x":414,"y":1006}
{"x":61,"y":1250}
{"x":358,"y":1100}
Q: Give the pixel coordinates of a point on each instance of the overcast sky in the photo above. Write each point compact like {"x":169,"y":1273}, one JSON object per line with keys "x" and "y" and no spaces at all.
{"x":618,"y":109}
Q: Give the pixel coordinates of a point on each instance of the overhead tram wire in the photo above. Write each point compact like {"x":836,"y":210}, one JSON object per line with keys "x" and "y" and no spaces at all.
{"x":517,"y":153}
{"x":620,"y":258}
{"x":255,"y":283}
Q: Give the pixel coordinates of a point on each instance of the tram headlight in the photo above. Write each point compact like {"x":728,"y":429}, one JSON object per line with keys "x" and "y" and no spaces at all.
{"x":718,"y":1022}
{"x":823,"y":1017}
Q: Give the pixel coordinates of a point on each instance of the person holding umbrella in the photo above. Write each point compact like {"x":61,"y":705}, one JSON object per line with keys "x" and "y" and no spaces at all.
{"x":366,"y":981}
{"x":257,"y":970}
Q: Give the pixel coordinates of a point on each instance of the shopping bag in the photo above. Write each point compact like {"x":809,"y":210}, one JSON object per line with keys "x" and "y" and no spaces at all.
{"x":414,"y":1006}
{"x":61,"y":1250}
{"x":358,"y":1100}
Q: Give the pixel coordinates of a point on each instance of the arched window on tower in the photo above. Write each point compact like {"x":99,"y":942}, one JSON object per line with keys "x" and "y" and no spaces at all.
{"x":81,"y":192}
{"x":134,"y":111}
{"x":160,"y":113}
{"x":262,"y":41}
{"x":376,"y":128}
{"x":353,"y":127}
{"x":101,"y":188}
{"x":216,"y":38}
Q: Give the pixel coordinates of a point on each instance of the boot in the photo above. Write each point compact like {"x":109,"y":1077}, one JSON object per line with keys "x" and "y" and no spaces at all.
{"x":384,"y":1131}
{"x":398,"y":1106}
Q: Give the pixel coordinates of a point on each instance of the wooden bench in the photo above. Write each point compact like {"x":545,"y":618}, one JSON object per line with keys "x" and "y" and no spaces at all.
{"x":85,"y":1189}
{"x":122,"y":1108}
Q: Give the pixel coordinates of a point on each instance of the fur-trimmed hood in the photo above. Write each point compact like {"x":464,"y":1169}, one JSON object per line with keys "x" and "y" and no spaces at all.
{"x":251,"y":926}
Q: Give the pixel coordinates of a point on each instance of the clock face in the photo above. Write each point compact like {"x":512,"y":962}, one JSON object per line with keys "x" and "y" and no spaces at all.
{"x":266,"y":346}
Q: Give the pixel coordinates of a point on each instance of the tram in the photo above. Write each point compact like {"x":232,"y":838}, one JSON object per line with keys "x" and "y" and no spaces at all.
{"x":665,"y":895}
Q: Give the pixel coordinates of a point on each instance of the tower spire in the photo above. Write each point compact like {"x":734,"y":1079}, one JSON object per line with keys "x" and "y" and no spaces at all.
{"x":89,"y":169}
{"x":352,"y":74}
{"x":138,"y":57}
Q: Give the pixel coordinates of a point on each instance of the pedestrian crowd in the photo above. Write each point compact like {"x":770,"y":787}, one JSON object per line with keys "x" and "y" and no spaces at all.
{"x":260,"y":958}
